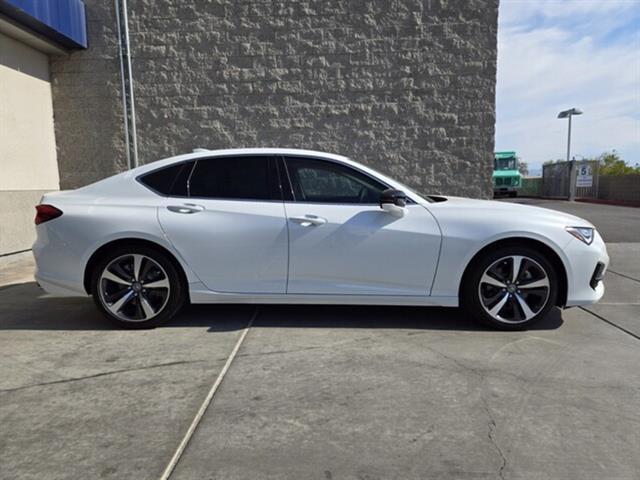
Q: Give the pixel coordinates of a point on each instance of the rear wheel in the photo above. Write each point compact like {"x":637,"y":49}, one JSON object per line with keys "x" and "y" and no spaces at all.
{"x":137,"y":287}
{"x":510,"y":288}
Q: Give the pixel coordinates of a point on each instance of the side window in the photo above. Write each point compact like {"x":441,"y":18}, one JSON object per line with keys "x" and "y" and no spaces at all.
{"x":246,"y":178}
{"x":323,"y":181}
{"x":169,"y":181}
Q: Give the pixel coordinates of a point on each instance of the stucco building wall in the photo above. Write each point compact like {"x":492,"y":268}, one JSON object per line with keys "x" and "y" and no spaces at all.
{"x":27,"y":143}
{"x":405,"y":86}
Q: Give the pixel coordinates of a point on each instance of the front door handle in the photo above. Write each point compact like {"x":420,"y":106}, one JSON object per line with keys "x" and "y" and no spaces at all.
{"x":187,"y":208}
{"x":309,"y":220}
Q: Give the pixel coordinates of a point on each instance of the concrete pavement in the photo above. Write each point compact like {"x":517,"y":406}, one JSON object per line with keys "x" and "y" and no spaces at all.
{"x":395,"y":395}
{"x":322,"y":392}
{"x":621,"y":302}
{"x":79,"y":399}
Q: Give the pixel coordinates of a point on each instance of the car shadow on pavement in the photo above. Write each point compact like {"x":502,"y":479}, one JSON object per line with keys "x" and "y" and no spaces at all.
{"x":25,"y":307}
{"x":419,"y":318}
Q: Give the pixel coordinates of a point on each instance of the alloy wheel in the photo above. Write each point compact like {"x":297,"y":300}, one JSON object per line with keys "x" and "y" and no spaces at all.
{"x":514,"y":289}
{"x":134,"y":288}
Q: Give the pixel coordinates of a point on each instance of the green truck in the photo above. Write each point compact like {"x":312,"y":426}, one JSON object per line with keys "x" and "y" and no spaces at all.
{"x":506,"y":175}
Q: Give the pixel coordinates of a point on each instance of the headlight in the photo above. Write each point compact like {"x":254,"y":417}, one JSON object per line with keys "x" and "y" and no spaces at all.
{"x":584,"y":234}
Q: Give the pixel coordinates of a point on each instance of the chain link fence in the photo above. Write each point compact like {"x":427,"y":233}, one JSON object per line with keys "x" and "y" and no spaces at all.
{"x":590,"y":184}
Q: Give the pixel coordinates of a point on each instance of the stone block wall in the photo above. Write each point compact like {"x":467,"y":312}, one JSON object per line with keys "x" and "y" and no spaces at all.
{"x":87,"y":103}
{"x":404,"y":86}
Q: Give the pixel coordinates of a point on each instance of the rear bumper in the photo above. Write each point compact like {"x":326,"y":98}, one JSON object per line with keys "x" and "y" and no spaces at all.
{"x":59,"y":269}
{"x":59,"y":287}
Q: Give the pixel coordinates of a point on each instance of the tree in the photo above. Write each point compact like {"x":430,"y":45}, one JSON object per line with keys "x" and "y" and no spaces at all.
{"x":612,"y":164}
{"x":523,"y":168}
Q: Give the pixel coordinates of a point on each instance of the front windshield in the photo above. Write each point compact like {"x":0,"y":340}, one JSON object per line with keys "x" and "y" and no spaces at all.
{"x":505,"y":164}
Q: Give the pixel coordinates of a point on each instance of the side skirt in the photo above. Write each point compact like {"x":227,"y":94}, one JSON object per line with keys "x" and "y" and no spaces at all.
{"x":207,"y":296}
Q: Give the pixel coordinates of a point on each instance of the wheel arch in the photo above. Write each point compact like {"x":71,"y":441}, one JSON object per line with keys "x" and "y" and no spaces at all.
{"x":548,"y":251}
{"x":120,"y":242}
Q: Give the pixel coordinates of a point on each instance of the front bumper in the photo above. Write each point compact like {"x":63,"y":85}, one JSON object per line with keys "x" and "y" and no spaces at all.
{"x":585,"y":271}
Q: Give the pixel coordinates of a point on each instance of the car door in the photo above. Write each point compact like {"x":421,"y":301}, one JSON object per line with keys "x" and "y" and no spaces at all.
{"x":230,"y":227}
{"x":341,"y":242}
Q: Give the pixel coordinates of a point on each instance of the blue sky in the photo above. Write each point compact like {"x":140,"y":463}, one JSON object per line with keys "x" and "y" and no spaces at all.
{"x":558,"y":54}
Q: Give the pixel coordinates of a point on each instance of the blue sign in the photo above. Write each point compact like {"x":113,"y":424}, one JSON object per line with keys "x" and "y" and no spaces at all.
{"x":62,"y":21}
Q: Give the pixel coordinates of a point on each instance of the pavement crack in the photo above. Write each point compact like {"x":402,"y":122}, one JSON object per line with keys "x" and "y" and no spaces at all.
{"x":457,"y":362}
{"x":279,"y":352}
{"x":600,"y":317}
{"x":97,"y":375}
{"x":492,"y":422}
{"x":623,"y":275}
{"x":490,"y":436}
{"x":304,"y":349}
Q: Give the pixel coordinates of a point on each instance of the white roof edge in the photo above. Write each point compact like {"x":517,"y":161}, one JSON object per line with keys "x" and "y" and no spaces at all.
{"x":263,"y":150}
{"x":203,"y":152}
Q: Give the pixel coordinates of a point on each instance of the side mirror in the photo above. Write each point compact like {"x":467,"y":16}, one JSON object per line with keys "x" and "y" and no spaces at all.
{"x":394,"y":202}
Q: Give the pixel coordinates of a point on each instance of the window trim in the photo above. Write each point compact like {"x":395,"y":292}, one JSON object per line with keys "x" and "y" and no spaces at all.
{"x":194,"y":162}
{"x":410,"y":201}
{"x":284,"y":179}
{"x":286,"y":190}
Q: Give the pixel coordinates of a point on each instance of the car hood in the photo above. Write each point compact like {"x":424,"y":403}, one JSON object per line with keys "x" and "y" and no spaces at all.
{"x":495,"y":209}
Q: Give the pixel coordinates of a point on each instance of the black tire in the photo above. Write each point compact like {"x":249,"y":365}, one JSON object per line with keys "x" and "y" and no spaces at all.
{"x":177,"y":293}
{"x":472,"y":302}
{"x":513,"y":194}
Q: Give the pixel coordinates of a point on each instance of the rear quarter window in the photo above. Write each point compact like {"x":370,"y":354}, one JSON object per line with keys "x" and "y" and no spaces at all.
{"x":170,"y":181}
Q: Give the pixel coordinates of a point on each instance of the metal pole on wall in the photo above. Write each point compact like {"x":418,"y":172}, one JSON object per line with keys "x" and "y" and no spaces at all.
{"x":123,"y":85}
{"x":126,"y":78}
{"x":572,"y":164}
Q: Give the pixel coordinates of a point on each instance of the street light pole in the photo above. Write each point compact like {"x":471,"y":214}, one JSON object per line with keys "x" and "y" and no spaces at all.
{"x":569,"y":141}
{"x":572,"y":163}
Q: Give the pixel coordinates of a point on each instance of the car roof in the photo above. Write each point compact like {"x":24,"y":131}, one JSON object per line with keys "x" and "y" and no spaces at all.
{"x":205,"y":153}
{"x":267,"y":151}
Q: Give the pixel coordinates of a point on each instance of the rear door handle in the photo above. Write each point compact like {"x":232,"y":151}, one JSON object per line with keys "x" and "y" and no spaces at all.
{"x":309,"y":220}
{"x":187,"y":208}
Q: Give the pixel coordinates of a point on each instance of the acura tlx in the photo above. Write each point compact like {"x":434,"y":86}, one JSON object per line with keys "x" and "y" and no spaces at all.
{"x":295,"y":226}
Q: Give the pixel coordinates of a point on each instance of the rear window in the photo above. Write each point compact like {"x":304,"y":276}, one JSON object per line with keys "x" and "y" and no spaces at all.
{"x":171,"y":181}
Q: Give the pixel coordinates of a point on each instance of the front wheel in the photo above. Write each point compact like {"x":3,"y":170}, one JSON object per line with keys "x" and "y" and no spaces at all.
{"x":137,"y":287}
{"x":510,"y":288}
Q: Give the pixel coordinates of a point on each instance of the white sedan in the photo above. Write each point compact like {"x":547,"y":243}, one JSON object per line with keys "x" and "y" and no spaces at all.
{"x":295,"y":226}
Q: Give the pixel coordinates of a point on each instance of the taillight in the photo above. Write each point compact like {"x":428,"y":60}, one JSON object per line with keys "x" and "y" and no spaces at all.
{"x":44,"y":213}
